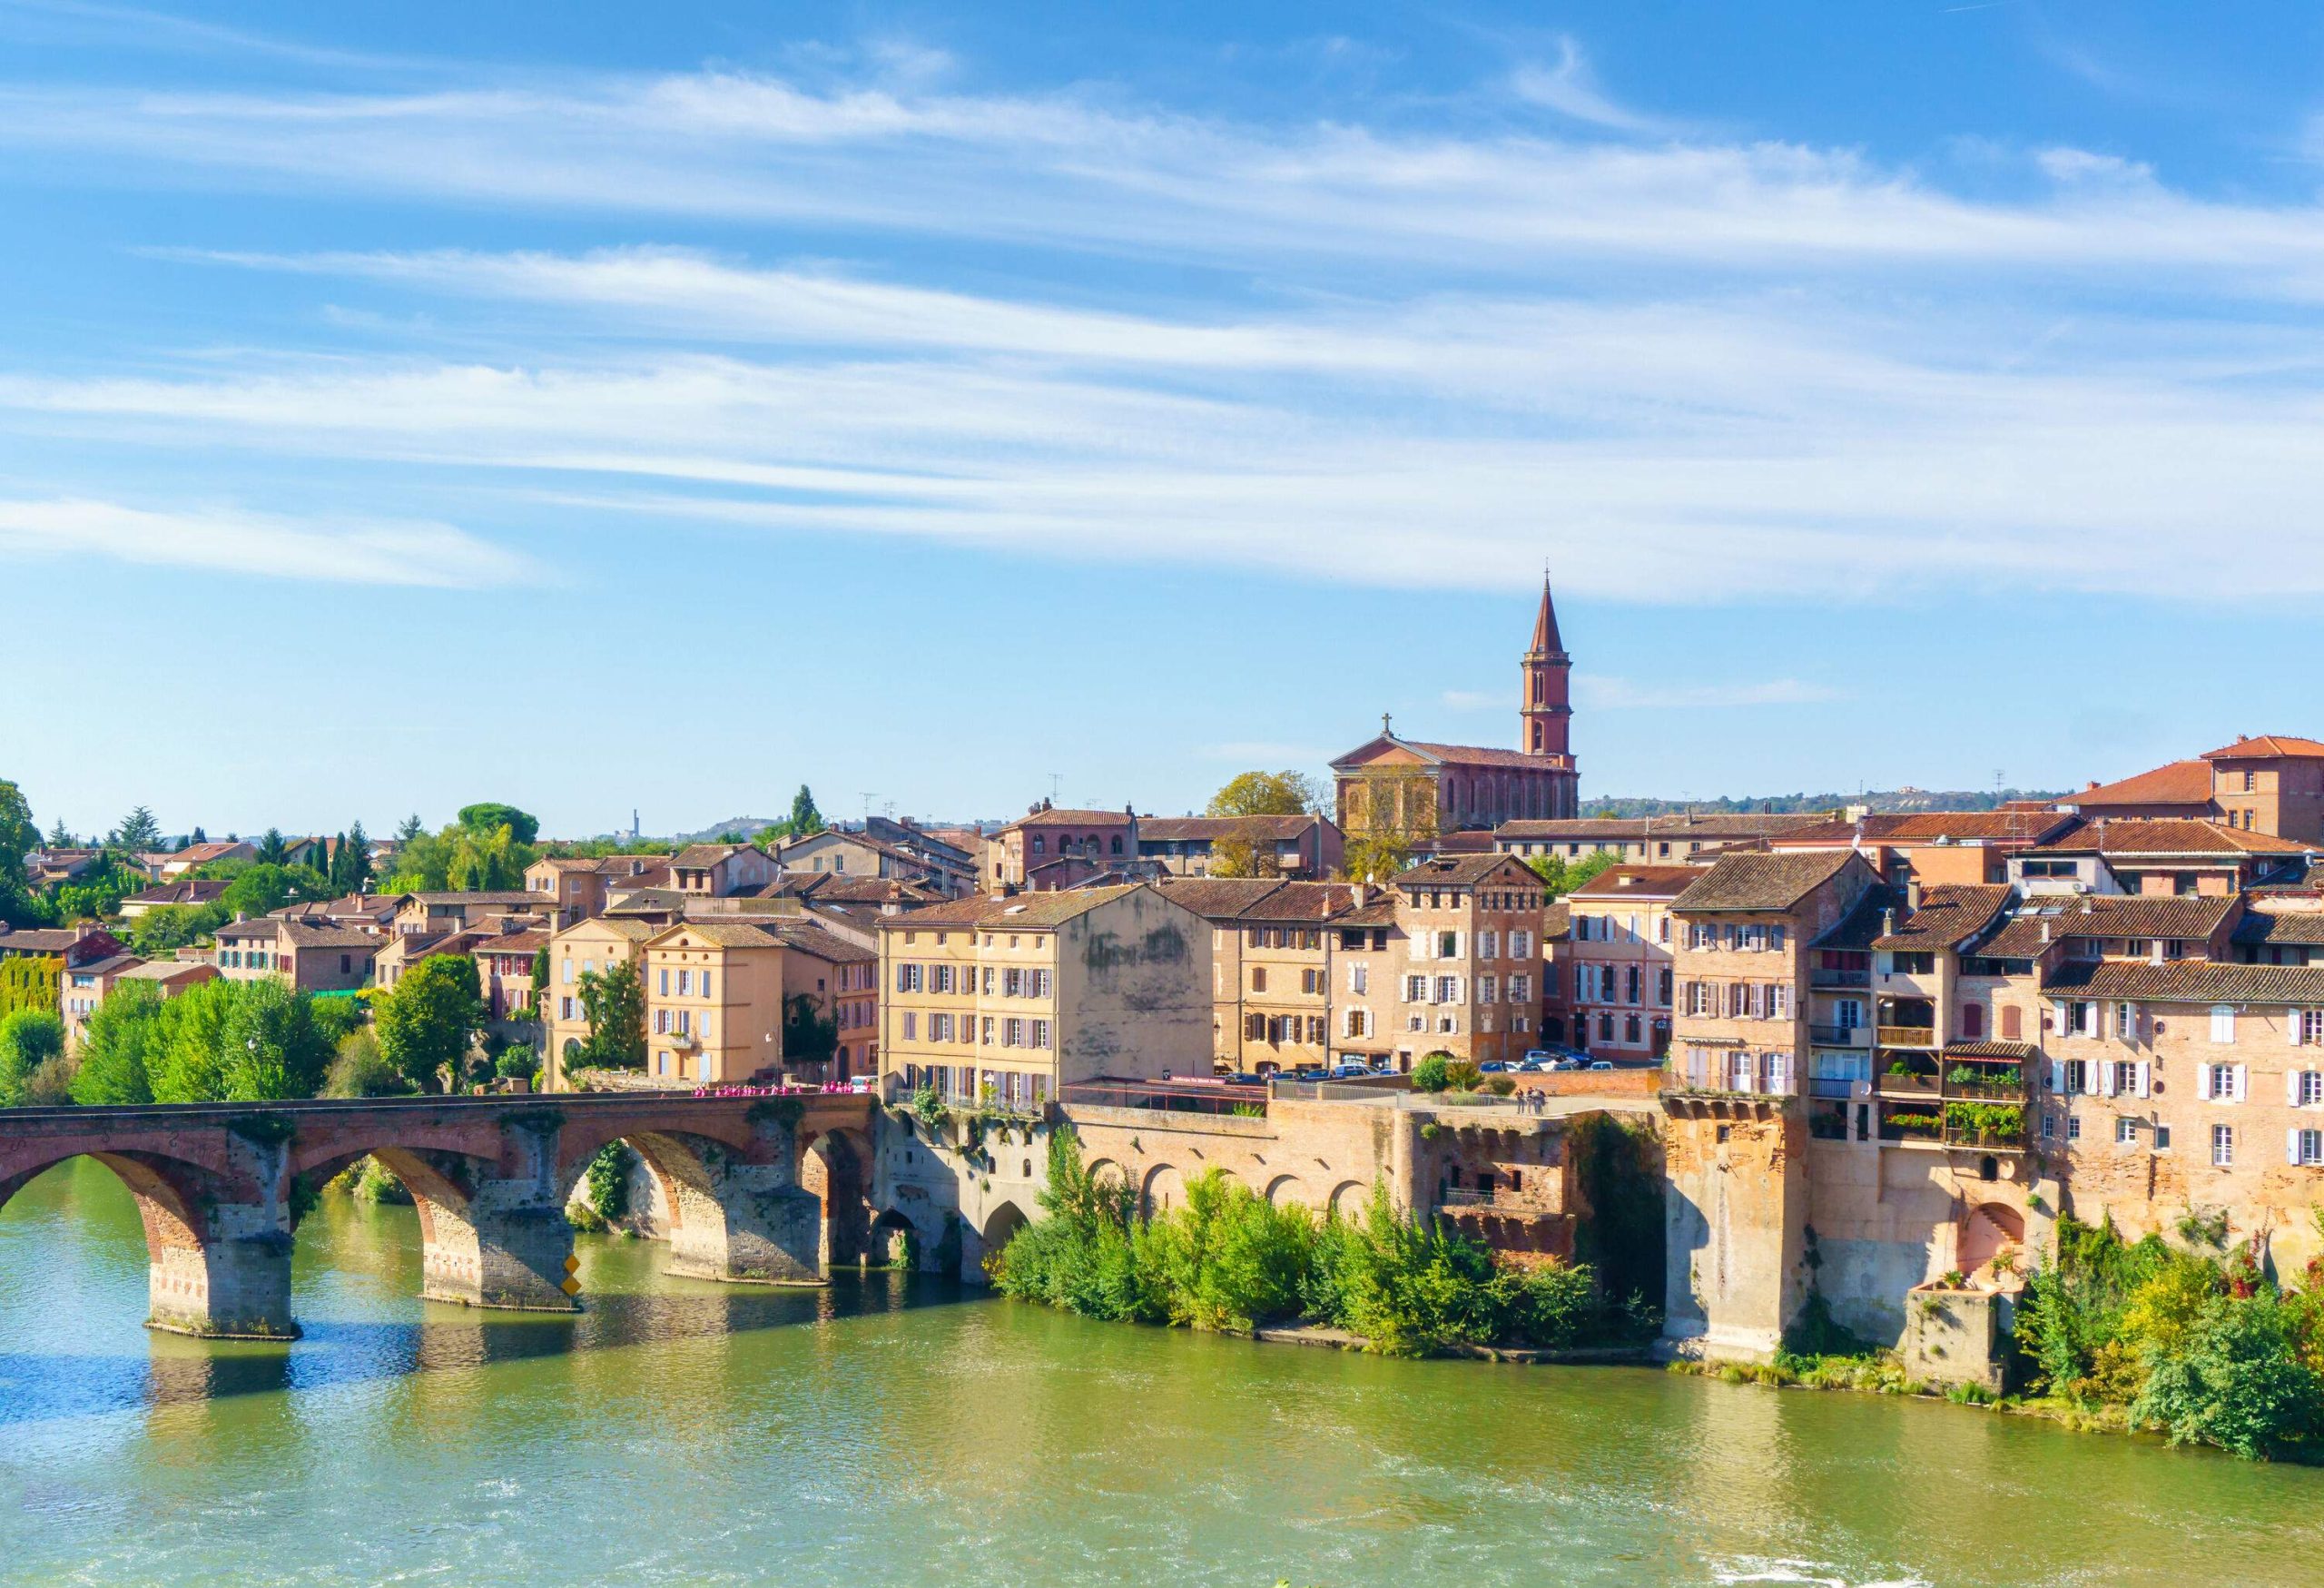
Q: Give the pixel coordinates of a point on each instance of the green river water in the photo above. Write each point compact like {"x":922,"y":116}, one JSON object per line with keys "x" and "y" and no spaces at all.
{"x":893,"y":1431}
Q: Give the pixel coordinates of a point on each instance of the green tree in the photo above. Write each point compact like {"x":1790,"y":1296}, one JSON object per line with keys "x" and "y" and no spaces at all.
{"x":138,"y":831}
{"x":1562,"y":877}
{"x":410,"y":828}
{"x":490,"y":814}
{"x":122,"y":1032}
{"x":263,"y":888}
{"x":29,"y":1037}
{"x":196,"y":836}
{"x":273,"y":848}
{"x":351,"y":865}
{"x":809,"y":1035}
{"x":2238,"y":1382}
{"x":59,"y":836}
{"x":805,"y":820}
{"x":272,"y":1047}
{"x":161,"y":931}
{"x":428,"y":1021}
{"x":613,"y":1002}
{"x":360,"y":1070}
{"x":18,"y":836}
{"x":1267,"y":794}
{"x":1433,"y":1073}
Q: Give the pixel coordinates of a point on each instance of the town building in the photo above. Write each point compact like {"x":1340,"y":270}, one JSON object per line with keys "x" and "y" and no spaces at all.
{"x":1049,"y":848}
{"x":194,"y":856}
{"x":1741,"y":935}
{"x":1470,"y":981}
{"x":1620,"y":960}
{"x":714,"y":1003}
{"x":718,"y":870}
{"x":1932,"y":847}
{"x":840,"y":977}
{"x":1271,"y":945}
{"x":2271,"y":783}
{"x":84,"y":986}
{"x":1308,"y":848}
{"x":936,"y":868}
{"x":312,"y":958}
{"x":2160,"y":855}
{"x":588,"y":947}
{"x":577,"y":886}
{"x":1017,"y":998}
{"x":1413,"y":787}
{"x":455,"y":912}
{"x":180,"y":895}
{"x":1682,"y":838}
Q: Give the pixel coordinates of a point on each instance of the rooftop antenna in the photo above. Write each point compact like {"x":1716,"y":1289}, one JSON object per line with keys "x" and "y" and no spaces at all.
{"x":1055,"y":779}
{"x":868,"y":796}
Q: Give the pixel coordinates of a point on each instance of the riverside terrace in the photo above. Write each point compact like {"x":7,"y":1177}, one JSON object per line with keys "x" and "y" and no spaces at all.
{"x":221,"y":1186}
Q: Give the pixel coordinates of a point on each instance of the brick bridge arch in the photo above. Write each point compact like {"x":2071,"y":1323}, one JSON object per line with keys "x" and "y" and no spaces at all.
{"x":215,"y":1186}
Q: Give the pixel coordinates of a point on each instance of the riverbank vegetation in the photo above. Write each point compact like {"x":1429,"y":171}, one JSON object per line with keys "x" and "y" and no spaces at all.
{"x":2192,"y":1341}
{"x":1229,"y":1260}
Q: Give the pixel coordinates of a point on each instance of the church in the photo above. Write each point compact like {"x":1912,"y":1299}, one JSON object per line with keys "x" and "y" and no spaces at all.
{"x":1418,"y":789}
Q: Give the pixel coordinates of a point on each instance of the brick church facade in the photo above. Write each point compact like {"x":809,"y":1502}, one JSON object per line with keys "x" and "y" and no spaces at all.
{"x":1411,"y":787}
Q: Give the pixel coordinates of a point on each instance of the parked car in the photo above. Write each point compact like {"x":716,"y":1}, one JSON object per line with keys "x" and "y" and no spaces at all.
{"x":1535,"y":1058}
{"x":1246,"y":1078}
{"x":1572,"y":1063}
{"x":1601,"y":1064}
{"x":1492,"y":1067}
{"x":1349,"y":1072}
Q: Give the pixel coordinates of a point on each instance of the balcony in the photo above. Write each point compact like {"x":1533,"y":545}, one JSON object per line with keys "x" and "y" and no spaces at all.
{"x":1908,"y":1036}
{"x":1823,"y":1086}
{"x":1838,"y":976}
{"x":1962,"y":1125}
{"x":1838,"y":1036}
{"x":1909,"y":1083}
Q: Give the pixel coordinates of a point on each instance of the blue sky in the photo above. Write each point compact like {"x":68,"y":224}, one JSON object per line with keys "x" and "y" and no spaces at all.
{"x":594,"y":406}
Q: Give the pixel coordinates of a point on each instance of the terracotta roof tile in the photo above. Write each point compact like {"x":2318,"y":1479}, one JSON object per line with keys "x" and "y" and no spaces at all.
{"x":1762,"y":881}
{"x":1949,"y":915}
{"x":2169,"y":835}
{"x":1639,"y":882}
{"x":2268,"y":745}
{"x":2190,"y":982}
{"x":2281,"y":926}
{"x":2181,"y":783}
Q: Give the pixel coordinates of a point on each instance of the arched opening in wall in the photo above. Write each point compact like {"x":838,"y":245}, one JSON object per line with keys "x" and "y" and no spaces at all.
{"x":835,"y":1168}
{"x":1001,"y":1227}
{"x":895,"y":1240}
{"x":1348,"y":1199}
{"x":1986,"y":1231}
{"x":1286,"y":1189}
{"x":1165,"y":1189}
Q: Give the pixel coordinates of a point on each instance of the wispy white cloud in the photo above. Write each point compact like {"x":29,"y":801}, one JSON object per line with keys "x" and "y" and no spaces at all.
{"x":340,"y":551}
{"x":1602,"y":692}
{"x":1569,"y":87}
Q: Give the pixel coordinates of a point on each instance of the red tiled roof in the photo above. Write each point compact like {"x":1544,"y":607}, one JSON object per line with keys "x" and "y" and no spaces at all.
{"x":1929,"y":827}
{"x":2268,"y":745}
{"x":2190,"y":982}
{"x":2181,"y":783}
{"x":1639,"y":881}
{"x":2169,"y":835}
{"x":1458,"y":871}
{"x":1762,"y":881}
{"x":1065,"y":818}
{"x":1179,"y":829}
{"x":1950,"y":914}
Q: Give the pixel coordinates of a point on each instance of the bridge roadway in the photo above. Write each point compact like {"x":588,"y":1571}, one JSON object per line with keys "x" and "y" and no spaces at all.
{"x":760,"y":1189}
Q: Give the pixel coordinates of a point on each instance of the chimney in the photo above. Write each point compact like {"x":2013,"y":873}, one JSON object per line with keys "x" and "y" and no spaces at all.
{"x":1887,"y":924}
{"x":1361,"y":890}
{"x":2045,"y":930}
{"x":1913,"y":894}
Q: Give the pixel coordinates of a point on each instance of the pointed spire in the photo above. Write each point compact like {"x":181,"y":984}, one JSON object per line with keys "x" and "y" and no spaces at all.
{"x":1545,"y":626}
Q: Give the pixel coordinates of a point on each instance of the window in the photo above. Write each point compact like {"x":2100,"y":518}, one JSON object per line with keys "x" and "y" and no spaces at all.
{"x":1041,"y":1035}
{"x":1040,"y":983}
{"x":1359,"y":1022}
{"x":2307,"y":1147}
{"x":2306,"y":1087}
{"x":2309,"y":1023}
{"x":1359,"y":978}
{"x":665,"y":982}
{"x":1012,"y":982}
{"x":1448,"y":989}
{"x":2126,"y":1131}
{"x":686,"y":984}
{"x":907,"y":979}
{"x":2073,"y":1127}
{"x":1258,"y":979}
{"x":1012,"y":1034}
{"x":2222,"y":1145}
{"x":2162,"y":1137}
{"x":1415,"y":989}
{"x":1632,"y":985}
{"x":1630,"y":1030}
{"x":2223,"y":1025}
{"x":567,"y":973}
{"x":2219,"y":1082}
{"x":705,"y":983}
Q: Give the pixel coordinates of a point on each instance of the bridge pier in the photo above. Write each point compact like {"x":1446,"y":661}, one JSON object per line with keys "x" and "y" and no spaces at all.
{"x":227,"y":1287}
{"x":745,"y":1223}
{"x":504,"y":1250}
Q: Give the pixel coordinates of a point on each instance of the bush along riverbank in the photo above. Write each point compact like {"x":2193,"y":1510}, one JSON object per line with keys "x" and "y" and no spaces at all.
{"x":2198,"y":1346}
{"x":1229,"y":1260}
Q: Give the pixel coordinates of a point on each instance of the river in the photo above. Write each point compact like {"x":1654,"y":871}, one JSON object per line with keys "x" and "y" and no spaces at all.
{"x":893,"y":1430}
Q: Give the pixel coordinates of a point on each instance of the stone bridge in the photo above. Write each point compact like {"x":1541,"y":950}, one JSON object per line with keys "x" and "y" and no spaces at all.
{"x":760,"y":1190}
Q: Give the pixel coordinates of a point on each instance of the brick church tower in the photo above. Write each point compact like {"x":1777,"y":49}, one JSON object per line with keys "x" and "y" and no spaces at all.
{"x":1548,"y":710}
